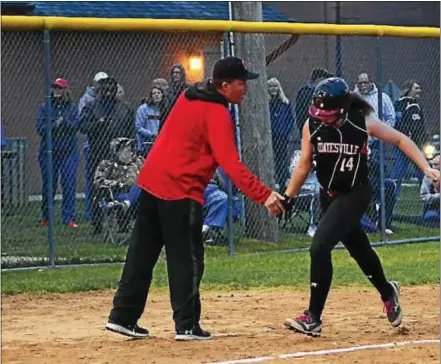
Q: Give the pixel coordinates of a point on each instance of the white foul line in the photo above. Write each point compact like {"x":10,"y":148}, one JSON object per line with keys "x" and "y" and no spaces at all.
{"x":301,"y":354}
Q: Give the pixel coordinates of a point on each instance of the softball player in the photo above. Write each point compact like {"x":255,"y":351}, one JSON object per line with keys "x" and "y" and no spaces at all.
{"x":336,"y":136}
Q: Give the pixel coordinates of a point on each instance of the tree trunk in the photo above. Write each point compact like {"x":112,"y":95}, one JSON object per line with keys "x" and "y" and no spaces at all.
{"x":255,"y":127}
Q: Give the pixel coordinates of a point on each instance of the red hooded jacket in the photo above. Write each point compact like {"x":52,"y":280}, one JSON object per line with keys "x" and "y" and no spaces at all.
{"x":196,"y":138}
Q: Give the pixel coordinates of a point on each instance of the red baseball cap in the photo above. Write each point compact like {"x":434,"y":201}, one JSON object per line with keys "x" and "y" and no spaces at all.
{"x":61,"y":82}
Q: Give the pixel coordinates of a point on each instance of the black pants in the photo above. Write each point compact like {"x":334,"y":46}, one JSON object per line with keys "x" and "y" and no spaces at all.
{"x":341,"y":222}
{"x":177,"y":225}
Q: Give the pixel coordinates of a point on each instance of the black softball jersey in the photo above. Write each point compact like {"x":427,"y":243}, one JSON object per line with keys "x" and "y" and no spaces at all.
{"x":340,"y":153}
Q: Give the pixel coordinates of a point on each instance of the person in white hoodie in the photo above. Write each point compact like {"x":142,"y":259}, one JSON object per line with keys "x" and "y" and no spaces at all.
{"x":369,"y":92}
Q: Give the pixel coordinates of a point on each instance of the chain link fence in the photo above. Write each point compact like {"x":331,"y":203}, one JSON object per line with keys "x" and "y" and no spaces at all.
{"x":101,"y":127}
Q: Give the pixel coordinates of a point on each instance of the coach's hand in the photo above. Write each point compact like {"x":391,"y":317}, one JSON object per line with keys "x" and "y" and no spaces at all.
{"x":274,"y":203}
{"x":432,"y":173}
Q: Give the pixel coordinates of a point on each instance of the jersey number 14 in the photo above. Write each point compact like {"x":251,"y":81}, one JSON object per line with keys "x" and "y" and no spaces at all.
{"x":347,"y":164}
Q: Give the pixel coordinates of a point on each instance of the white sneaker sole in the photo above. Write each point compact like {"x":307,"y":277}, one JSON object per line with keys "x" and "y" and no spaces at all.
{"x":124,"y":331}
{"x":191,"y":338}
{"x":398,"y":321}
{"x":294,"y":325}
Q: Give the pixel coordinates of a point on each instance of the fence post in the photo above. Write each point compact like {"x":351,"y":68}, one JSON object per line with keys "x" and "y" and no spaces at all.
{"x":231,"y":52}
{"x":49,"y":156}
{"x":381,"y":145}
{"x":338,"y":61}
{"x":230,"y":223}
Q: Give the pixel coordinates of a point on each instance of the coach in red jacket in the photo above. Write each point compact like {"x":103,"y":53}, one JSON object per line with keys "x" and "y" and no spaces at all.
{"x":197,"y":137}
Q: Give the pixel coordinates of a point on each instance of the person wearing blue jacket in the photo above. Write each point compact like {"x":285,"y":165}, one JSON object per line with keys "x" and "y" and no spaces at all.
{"x":64,"y":121}
{"x":304,"y":96}
{"x":282,"y":126}
{"x":147,"y":120}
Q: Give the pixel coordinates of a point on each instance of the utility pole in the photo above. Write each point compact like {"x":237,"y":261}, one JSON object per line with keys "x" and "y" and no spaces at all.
{"x":255,"y":126}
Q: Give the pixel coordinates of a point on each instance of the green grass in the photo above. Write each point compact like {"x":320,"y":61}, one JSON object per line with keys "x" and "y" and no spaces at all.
{"x":22,"y":236}
{"x":410,"y":264}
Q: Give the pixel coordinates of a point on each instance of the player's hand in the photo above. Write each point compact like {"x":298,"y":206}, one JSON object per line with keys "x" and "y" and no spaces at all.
{"x":274,"y":203}
{"x":432,"y":173}
{"x":287,"y":202}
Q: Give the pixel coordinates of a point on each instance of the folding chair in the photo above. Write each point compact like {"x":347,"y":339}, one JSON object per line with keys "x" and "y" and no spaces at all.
{"x":111,"y":219}
{"x":306,"y":201}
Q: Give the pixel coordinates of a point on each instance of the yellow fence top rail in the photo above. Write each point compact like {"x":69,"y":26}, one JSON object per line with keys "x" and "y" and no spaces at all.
{"x":31,"y":23}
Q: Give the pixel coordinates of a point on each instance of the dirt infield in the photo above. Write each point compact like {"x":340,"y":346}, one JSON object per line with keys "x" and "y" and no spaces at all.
{"x":68,"y":328}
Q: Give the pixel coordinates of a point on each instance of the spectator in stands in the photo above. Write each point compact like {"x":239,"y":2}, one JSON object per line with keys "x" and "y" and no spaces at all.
{"x":119,"y":174}
{"x":88,"y":97}
{"x":147,"y":121}
{"x":64,"y":121}
{"x":90,"y":93}
{"x":216,"y":210}
{"x":178,"y":83}
{"x":282,"y":125}
{"x":369,"y":92}
{"x":163,"y":84}
{"x":103,"y":120}
{"x":431,"y":197}
{"x":304,"y":96}
{"x":410,"y":121}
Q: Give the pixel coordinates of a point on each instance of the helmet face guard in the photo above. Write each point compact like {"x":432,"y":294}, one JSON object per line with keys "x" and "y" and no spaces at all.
{"x":327,"y":117}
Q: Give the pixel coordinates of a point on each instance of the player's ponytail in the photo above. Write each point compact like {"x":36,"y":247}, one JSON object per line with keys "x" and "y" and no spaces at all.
{"x":357,"y":102}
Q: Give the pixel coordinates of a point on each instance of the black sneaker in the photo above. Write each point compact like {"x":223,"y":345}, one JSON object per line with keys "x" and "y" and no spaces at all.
{"x":195,"y":334}
{"x":392,"y":306}
{"x":305,"y":324}
{"x":127,"y":330}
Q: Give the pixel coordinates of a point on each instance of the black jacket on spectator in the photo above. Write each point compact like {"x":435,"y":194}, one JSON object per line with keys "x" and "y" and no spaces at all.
{"x":105,"y":119}
{"x":303,"y":102}
{"x":410,"y":120}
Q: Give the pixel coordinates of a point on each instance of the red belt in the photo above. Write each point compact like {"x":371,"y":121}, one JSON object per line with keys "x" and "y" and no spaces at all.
{"x":332,"y":193}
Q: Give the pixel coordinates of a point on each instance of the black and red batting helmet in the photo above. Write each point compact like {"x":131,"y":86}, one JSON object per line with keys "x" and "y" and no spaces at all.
{"x":330,"y":100}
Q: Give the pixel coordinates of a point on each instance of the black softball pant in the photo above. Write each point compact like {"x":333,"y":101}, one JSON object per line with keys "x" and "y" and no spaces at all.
{"x":341,"y":222}
{"x":177,"y":225}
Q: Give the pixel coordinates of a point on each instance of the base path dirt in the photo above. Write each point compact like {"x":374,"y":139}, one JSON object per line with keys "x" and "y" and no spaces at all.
{"x":69,"y":328}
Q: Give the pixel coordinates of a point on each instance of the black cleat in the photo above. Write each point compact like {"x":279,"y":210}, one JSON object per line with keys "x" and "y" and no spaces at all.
{"x":305,"y":324}
{"x":195,"y":334}
{"x":392,"y":306}
{"x":127,"y":330}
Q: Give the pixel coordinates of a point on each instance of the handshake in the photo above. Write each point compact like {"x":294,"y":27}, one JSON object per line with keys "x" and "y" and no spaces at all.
{"x":277,"y":204}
